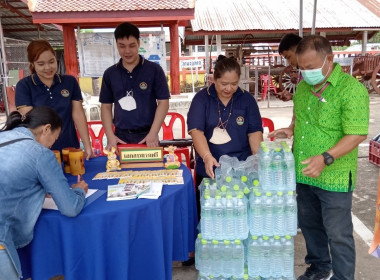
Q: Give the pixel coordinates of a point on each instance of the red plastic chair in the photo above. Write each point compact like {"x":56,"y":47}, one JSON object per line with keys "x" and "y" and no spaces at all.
{"x":264,"y":85}
{"x":167,"y":130}
{"x":93,"y":137}
{"x":269,"y":124}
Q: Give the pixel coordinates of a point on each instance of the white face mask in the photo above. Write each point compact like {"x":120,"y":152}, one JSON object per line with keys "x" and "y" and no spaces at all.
{"x":128,"y":103}
{"x":220,"y":136}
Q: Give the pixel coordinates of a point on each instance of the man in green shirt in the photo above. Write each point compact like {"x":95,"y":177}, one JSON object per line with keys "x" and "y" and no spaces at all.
{"x":331,"y":115}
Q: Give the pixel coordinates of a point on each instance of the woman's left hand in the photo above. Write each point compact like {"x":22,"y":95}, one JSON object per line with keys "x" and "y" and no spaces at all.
{"x":88,"y":152}
{"x":210,"y":162}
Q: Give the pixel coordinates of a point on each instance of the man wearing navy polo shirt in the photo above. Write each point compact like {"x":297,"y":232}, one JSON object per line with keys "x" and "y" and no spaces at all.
{"x":138,"y":90}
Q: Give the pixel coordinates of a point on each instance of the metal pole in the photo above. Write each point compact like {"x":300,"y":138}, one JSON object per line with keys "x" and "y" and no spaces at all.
{"x":3,"y":71}
{"x":300,"y":31}
{"x":364,"y":42}
{"x":207,"y":60}
{"x":256,"y":82}
{"x":314,"y":17}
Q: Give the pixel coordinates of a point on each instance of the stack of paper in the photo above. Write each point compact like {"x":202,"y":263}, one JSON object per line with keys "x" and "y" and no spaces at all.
{"x":154,"y":192}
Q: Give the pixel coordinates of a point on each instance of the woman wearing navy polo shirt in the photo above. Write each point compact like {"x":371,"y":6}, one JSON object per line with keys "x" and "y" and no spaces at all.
{"x":223,"y":120}
{"x":44,"y":87}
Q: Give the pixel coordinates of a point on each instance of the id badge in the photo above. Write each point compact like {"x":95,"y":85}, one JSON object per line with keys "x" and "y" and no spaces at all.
{"x":220,"y":136}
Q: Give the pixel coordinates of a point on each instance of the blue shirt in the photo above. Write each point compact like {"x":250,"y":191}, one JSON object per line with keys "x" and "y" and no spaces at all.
{"x":245,"y":118}
{"x":28,"y":172}
{"x":148,"y":83}
{"x":30,"y":91}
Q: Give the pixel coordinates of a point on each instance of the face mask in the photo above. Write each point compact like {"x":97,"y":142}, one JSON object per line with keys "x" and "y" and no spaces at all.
{"x":313,"y":76}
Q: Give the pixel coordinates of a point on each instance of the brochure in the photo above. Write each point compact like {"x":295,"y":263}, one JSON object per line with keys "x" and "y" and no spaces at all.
{"x":154,"y":192}
{"x":126,"y":191}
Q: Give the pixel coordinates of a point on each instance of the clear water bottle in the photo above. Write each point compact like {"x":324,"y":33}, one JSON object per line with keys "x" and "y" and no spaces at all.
{"x":290,"y":214}
{"x":206,"y":218}
{"x":241,"y":218}
{"x":265,"y":258}
{"x":197,"y":249}
{"x":279,"y":214}
{"x":236,"y":189}
{"x":217,"y":260}
{"x":265,"y":174}
{"x":238,"y":259}
{"x":289,"y":168}
{"x":97,"y":151}
{"x":229,"y":225}
{"x":205,"y":258}
{"x":256,"y":213}
{"x":218,"y":176}
{"x":227,"y":257}
{"x":277,"y":170}
{"x":218,"y":217}
{"x":276,"y":260}
{"x":268,"y":214}
{"x":288,"y":257}
{"x":254,"y":257}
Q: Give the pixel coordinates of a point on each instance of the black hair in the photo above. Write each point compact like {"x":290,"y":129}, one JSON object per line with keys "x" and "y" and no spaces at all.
{"x":288,"y":41}
{"x":224,"y":64}
{"x":314,"y":42}
{"x":34,"y":118}
{"x":125,"y":30}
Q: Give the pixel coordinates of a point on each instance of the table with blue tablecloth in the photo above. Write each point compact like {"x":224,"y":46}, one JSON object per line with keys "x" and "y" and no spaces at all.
{"x":126,"y":239}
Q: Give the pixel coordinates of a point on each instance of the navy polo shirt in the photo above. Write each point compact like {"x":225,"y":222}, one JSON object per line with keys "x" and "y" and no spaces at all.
{"x":30,"y":91}
{"x":148,"y":83}
{"x":245,"y":118}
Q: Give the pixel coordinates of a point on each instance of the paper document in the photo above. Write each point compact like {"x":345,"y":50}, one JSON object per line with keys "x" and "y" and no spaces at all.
{"x":154,"y":192}
{"x":50,"y":204}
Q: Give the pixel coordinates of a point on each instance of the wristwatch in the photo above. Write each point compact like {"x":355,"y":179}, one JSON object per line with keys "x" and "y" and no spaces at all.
{"x":328,"y":159}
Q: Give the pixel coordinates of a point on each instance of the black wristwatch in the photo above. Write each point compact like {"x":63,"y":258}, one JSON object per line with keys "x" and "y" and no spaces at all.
{"x":329,"y":159}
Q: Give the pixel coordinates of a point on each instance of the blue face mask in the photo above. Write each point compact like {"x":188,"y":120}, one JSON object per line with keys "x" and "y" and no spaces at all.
{"x":313,"y":76}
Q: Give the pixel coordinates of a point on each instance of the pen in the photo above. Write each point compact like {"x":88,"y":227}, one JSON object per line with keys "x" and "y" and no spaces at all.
{"x":79,"y":178}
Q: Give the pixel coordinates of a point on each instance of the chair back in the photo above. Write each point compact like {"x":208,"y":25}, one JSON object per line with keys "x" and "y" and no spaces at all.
{"x":94,"y":137}
{"x":269,"y":124}
{"x":167,"y":129}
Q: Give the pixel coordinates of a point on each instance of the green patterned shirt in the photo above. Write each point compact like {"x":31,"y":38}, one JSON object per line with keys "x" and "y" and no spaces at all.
{"x":320,"y":125}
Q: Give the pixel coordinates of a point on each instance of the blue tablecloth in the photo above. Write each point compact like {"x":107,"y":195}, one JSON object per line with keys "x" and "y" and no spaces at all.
{"x":111,"y":240}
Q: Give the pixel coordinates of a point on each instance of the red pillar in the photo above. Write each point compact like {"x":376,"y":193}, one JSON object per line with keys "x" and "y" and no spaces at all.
{"x":70,"y":50}
{"x":174,"y":60}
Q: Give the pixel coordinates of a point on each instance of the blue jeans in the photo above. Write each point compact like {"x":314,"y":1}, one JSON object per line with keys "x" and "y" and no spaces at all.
{"x":325,"y":220}
{"x":7,"y":268}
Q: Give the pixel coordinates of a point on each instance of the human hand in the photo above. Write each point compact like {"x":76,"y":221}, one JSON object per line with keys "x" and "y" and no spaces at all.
{"x":284,"y":95}
{"x":88,"y":153}
{"x":81,"y":184}
{"x":210,"y":162}
{"x":151,"y":140}
{"x":281,"y":133}
{"x":113,"y":141}
{"x":315,"y":166}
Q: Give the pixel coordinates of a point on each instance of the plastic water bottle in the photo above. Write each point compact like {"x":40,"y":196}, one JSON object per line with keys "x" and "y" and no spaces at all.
{"x":205,"y":258}
{"x":206,"y":218}
{"x":197,"y":249}
{"x":276,"y":260}
{"x":216,"y":253}
{"x":256,"y":213}
{"x":229,"y":229}
{"x":277,"y":170}
{"x":268,"y":214}
{"x":227,"y":257}
{"x":290,"y":214}
{"x":279,"y":214}
{"x":236,"y":189}
{"x":218,"y":217}
{"x":289,"y":169}
{"x":218,"y":175}
{"x":265,"y":257}
{"x":241,"y":217}
{"x":254,"y":257}
{"x":265,"y":169}
{"x":238,"y":259}
{"x":97,"y":148}
{"x":288,"y":257}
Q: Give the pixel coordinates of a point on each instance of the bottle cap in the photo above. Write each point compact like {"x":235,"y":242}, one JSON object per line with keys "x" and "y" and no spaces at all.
{"x":229,"y":196}
{"x":256,"y":182}
{"x":268,"y":194}
{"x":223,"y":188}
{"x":265,"y":237}
{"x":257,"y":193}
{"x":276,"y":237}
{"x":290,"y":192}
{"x":280,"y":193}
{"x":227,"y":242}
{"x":277,"y":149}
{"x":200,"y":235}
{"x":236,"y":187}
{"x":245,"y":276}
{"x":254,"y":237}
{"x":204,"y":241}
{"x":288,"y":237}
{"x":218,"y":197}
{"x":215,"y":242}
{"x":240,"y":195}
{"x":207,"y":196}
{"x":237,"y":241}
{"x":246,"y":190}
{"x":228,"y":179}
{"x":244,"y":179}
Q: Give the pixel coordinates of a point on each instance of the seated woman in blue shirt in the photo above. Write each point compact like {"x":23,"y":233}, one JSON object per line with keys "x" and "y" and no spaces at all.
{"x":29,"y":170}
{"x":223,"y":119}
{"x":44,"y":87}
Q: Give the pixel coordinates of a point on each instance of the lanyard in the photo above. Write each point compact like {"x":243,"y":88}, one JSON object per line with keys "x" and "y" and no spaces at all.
{"x":318,"y":93}
{"x":223,"y":124}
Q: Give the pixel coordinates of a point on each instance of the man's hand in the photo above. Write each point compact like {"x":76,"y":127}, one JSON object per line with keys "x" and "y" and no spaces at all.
{"x":113,"y":141}
{"x":88,"y":152}
{"x":210,"y":162}
{"x":281,"y":133}
{"x":151,"y":140}
{"x":81,"y":184}
{"x":284,"y":95}
{"x":315,"y":166}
